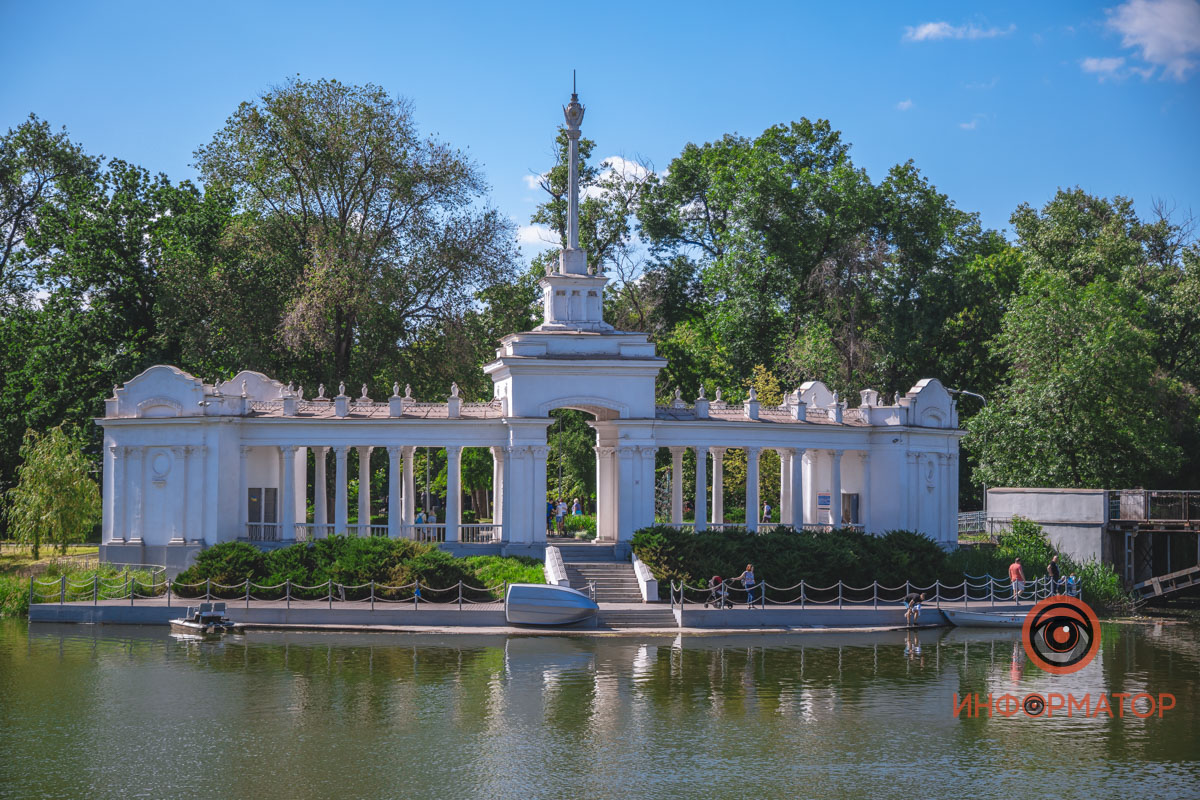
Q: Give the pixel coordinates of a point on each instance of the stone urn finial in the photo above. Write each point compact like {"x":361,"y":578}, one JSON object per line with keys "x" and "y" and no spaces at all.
{"x":396,"y":389}
{"x":321,"y":392}
{"x":454,"y":390}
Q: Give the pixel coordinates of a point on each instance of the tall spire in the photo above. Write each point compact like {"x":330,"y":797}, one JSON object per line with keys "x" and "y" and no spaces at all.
{"x":573,"y":260}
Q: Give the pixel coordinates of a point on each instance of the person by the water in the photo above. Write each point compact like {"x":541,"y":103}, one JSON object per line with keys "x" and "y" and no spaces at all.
{"x":1054,"y":575}
{"x":1017,"y":576}
{"x":912,"y":611}
{"x":747,"y":579}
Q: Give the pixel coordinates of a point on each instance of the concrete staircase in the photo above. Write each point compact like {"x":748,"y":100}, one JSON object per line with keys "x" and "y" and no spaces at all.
{"x":650,"y":616}
{"x":614,"y":579}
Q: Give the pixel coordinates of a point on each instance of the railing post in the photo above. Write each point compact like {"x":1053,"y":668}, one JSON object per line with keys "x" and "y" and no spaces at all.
{"x":839,"y":594}
{"x":96,"y":589}
{"x":801,"y":594}
{"x":132,"y":589}
{"x":329,"y":587}
{"x":288,"y":591}
{"x":247,"y":592}
{"x":874,"y":594}
{"x":417,"y":595}
{"x":208,"y":589}
{"x":168,"y":582}
{"x":30,"y":590}
{"x":992,"y":589}
{"x":937,"y":592}
{"x":62,"y":589}
{"x":372,"y":595}
{"x":460,"y":595}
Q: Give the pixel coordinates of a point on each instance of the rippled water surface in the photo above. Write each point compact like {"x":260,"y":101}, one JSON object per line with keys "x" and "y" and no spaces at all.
{"x":133,"y":712}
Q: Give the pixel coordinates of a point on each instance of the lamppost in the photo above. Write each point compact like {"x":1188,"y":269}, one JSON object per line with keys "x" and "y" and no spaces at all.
{"x":982,"y":399}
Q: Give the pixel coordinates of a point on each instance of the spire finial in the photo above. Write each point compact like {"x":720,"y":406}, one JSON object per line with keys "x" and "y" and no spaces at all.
{"x":573,"y":262}
{"x":573,"y":92}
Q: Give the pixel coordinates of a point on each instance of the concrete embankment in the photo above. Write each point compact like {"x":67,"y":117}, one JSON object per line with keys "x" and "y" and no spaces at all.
{"x":350,"y":616}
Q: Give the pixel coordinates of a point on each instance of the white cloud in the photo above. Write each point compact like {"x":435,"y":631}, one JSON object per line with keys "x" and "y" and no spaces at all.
{"x":933,"y":31}
{"x":623,"y":166}
{"x":1166,"y":31}
{"x":969,"y":126}
{"x":977,"y":86}
{"x":904,"y":105}
{"x":1103,"y":67}
{"x":533,"y":182}
{"x":536,"y":235}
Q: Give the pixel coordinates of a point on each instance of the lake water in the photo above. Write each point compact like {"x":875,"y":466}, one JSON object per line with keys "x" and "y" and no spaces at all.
{"x":104,"y":712}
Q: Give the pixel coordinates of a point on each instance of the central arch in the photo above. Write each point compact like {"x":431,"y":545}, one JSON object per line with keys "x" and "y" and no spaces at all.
{"x":602,"y":408}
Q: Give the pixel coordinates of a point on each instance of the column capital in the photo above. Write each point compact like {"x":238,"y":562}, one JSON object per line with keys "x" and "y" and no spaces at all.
{"x":539,"y":451}
{"x":245,"y":450}
{"x":287,"y":449}
{"x":837,"y":453}
{"x":178,"y":451}
{"x":677,"y":450}
{"x":341,"y":450}
{"x":701,"y":449}
{"x":865,"y":455}
{"x":454,"y":448}
{"x":394,"y":453}
{"x":754,"y":450}
{"x":718,"y":450}
{"x":364,"y":449}
{"x":605,"y":451}
{"x":784,"y":451}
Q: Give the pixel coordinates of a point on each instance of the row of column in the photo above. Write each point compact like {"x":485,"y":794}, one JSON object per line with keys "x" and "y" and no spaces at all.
{"x":401,"y":487}
{"x":791,"y":487}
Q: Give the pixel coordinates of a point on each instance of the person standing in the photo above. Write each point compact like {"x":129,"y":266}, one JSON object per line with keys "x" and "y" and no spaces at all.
{"x":1017,"y":576}
{"x":549,"y":516}
{"x":766,"y":514}
{"x":1054,"y":575}
{"x":562,"y":512}
{"x":747,"y":579}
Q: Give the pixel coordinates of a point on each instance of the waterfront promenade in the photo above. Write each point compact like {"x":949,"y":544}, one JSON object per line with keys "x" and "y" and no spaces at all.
{"x":472,"y":617}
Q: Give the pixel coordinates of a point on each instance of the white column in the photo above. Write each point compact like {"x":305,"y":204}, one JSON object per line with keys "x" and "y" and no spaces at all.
{"x":395,"y":502}
{"x":835,"y":489}
{"x":606,"y":493}
{"x":503,"y":512}
{"x":811,"y":517}
{"x":643,"y":480}
{"x":320,"y":500}
{"x":952,"y":495}
{"x":139,"y":496}
{"x":364,"y":490}
{"x":701,"y":500}
{"x":864,"y":494}
{"x":913,"y":475}
{"x":453,"y":492}
{"x":627,"y":458}
{"x":785,"y":485}
{"x":752,"y":488}
{"x":796,"y":475}
{"x":117,"y":531}
{"x":498,"y":469}
{"x":539,"y":454}
{"x":244,"y":492}
{"x":287,"y":519}
{"x":410,"y":487}
{"x":677,"y":485}
{"x":341,"y":513}
{"x":718,"y":486}
{"x":180,"y":518}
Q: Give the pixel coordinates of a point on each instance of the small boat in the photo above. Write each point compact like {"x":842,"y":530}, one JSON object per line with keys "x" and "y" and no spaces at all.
{"x":206,"y":619}
{"x":961,"y":618}
{"x":546,"y":604}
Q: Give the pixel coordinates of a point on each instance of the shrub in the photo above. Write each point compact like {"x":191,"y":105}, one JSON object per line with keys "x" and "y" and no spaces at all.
{"x":226,"y":564}
{"x":492,"y":571}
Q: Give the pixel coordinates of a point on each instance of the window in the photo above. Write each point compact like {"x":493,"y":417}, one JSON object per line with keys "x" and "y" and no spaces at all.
{"x":262,"y":510}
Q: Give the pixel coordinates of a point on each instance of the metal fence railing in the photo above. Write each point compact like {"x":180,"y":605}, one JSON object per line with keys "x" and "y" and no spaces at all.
{"x":129,"y":587}
{"x":982,"y":589}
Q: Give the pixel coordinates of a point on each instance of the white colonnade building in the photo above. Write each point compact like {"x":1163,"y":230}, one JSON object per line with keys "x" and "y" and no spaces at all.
{"x":189,"y":464}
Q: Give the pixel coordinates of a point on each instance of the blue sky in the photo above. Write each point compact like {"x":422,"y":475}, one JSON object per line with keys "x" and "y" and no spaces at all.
{"x":996,"y":104}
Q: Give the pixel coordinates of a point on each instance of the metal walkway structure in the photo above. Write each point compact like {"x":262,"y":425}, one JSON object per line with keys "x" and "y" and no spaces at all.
{"x":1172,"y":582}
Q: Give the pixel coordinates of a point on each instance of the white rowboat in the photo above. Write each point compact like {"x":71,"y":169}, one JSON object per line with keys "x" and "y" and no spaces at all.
{"x":961,"y":618}
{"x":546,"y":604}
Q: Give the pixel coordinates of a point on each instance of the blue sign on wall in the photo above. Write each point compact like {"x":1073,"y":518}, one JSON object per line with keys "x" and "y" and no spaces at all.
{"x":823,"y":500}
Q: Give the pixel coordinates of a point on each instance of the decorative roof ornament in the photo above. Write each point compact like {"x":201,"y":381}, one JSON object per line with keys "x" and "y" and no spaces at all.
{"x":454,"y":390}
{"x":243,"y":388}
{"x":300,"y":391}
{"x":396,"y":389}
{"x":718,"y":395}
{"x":753,"y":395}
{"x":701,"y":397}
{"x":321,"y":392}
{"x":573,"y":261}
{"x":364,"y":397}
{"x":341,"y":388}
{"x":408,"y":391}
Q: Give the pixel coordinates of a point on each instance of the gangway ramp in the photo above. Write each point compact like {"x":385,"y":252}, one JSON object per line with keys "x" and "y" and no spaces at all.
{"x":1172,"y":582}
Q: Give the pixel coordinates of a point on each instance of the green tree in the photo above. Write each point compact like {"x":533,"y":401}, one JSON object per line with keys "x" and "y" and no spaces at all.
{"x":1083,"y":403}
{"x":55,"y":500}
{"x":385,"y":227}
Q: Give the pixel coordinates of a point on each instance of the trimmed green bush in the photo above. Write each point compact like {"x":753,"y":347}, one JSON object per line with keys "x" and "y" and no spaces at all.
{"x":783,"y":557}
